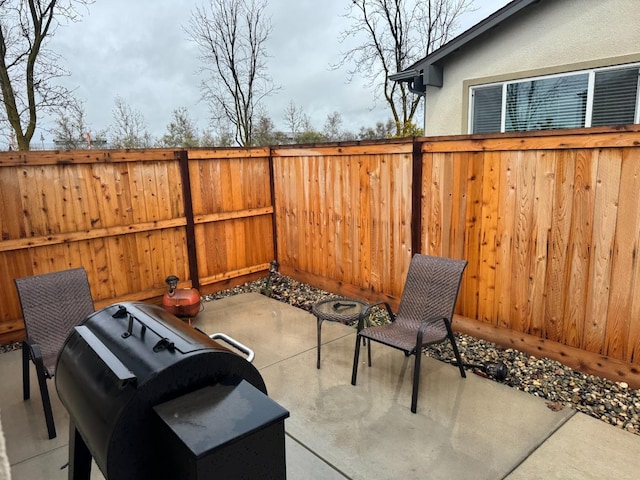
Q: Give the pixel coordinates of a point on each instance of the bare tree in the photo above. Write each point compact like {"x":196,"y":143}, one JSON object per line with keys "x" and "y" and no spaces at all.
{"x":309,"y":134}
{"x":295,"y":119}
{"x":333,"y":128}
{"x":27,"y":67}
{"x":71,"y":126}
{"x":396,"y":34}
{"x":207,"y":139}
{"x":129,"y":129}
{"x":181,"y":131}
{"x":232,"y":36}
{"x":224,"y":134}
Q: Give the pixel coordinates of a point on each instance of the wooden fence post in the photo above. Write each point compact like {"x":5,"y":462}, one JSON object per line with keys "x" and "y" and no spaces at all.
{"x":183,"y":159}
{"x":416,"y":198}
{"x":274,"y":223}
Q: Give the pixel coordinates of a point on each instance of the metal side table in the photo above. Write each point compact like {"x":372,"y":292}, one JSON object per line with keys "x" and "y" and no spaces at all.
{"x":343,"y":310}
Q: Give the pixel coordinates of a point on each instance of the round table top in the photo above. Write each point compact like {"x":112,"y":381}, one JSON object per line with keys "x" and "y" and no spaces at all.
{"x":338,"y":309}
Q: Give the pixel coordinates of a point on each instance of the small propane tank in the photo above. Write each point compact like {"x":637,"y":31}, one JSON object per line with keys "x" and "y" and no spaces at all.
{"x":184,"y":303}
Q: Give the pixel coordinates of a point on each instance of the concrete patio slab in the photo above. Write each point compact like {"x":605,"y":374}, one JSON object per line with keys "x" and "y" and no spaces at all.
{"x":275,"y":330}
{"x":464,"y":428}
{"x":584,"y":448}
{"x":23,"y":421}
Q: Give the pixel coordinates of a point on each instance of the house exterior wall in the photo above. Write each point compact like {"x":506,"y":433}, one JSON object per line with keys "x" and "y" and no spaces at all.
{"x":554,"y":37}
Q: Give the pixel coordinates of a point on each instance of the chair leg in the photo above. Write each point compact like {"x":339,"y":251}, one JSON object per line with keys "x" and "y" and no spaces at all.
{"x":356,"y":359}
{"x":46,"y":401}
{"x":26,"y":388}
{"x":319,"y":326}
{"x":416,"y":380}
{"x":452,"y":339}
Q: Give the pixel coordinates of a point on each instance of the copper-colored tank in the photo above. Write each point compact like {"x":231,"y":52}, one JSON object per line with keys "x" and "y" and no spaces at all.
{"x":184,"y":303}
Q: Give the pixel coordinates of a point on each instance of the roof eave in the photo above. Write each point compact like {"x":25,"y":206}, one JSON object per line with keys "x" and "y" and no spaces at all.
{"x":461,"y":40}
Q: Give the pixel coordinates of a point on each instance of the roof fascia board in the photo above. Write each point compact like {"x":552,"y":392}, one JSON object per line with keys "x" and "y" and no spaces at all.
{"x":468,"y":36}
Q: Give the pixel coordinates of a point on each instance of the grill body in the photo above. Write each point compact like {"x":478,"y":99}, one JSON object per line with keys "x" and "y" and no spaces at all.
{"x":126,"y":359}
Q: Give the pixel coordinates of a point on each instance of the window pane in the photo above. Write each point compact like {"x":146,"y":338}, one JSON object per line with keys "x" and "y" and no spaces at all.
{"x":558,"y":102}
{"x":487,"y":109}
{"x":614,"y":97}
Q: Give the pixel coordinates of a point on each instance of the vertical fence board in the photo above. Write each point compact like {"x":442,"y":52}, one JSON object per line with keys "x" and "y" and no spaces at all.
{"x":13,"y":265}
{"x":87,"y":198}
{"x":459,"y":208}
{"x":557,"y":275}
{"x":12,"y":225}
{"x":605,"y":218}
{"x":402,"y":235}
{"x":488,"y":234}
{"x":542,"y":219}
{"x":473,"y":230}
{"x":34,"y":216}
{"x":579,"y":247}
{"x":334,"y":218}
{"x":523,"y":239}
{"x":504,"y":236}
{"x":432,"y":207}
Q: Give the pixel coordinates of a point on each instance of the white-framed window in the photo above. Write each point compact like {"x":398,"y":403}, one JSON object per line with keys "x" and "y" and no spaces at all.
{"x":587,"y":98}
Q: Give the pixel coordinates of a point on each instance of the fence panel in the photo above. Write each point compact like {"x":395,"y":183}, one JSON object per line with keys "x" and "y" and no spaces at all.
{"x":116,"y":213}
{"x":552,"y":229}
{"x":233,"y":212}
{"x":343,"y":215}
{"x":121,"y":215}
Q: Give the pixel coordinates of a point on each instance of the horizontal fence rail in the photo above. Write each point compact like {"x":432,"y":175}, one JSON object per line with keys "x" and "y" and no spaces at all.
{"x":549,"y":223}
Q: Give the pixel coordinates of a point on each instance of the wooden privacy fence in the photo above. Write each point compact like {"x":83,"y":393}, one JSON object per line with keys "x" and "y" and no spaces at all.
{"x":549,"y":223}
{"x":131,"y":218}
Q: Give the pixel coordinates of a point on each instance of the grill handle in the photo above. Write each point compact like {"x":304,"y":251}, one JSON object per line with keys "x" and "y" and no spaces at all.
{"x":235,"y":344}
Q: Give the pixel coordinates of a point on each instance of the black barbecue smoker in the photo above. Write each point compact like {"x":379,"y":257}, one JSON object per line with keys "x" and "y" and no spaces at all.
{"x":150,"y":397}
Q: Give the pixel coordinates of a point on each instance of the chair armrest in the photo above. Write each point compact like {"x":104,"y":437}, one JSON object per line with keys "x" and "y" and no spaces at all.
{"x":34,"y":349}
{"x":35,"y":354}
{"x":366,"y":312}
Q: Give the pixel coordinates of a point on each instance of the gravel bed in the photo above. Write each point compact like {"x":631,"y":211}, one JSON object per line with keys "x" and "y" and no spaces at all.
{"x":9,"y":347}
{"x":559,"y":385}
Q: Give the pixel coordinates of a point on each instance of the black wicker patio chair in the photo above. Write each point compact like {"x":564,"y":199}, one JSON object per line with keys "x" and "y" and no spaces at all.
{"x":52,"y":304}
{"x":424,"y":315}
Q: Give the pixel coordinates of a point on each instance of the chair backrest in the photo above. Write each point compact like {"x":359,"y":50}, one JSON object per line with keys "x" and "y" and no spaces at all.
{"x":52,"y":304}
{"x":431,"y":289}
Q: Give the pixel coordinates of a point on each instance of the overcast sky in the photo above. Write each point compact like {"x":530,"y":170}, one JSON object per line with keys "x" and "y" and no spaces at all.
{"x":138,"y":50}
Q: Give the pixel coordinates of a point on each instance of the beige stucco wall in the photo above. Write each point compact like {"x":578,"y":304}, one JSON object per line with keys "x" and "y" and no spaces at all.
{"x":556,"y":36}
